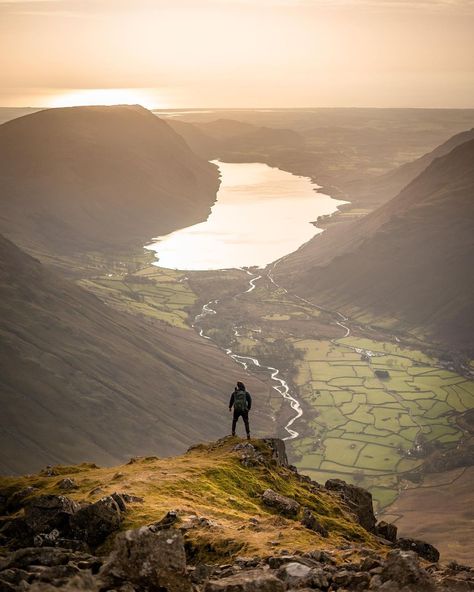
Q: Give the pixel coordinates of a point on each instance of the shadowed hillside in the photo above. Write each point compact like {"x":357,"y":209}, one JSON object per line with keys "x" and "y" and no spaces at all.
{"x":80,"y":380}
{"x":86,"y":178}
{"x":410,"y":261}
{"x":381,"y":189}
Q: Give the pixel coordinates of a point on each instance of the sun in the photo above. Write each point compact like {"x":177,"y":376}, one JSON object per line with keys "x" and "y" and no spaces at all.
{"x":107,"y":96}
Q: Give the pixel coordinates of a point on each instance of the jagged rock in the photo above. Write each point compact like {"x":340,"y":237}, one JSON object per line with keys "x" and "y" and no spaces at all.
{"x":295,"y":574}
{"x":403,"y":568}
{"x":50,"y":512}
{"x":48,"y":557}
{"x":167,"y":521}
{"x":310,"y":521}
{"x":425,"y":550}
{"x":93,"y":523}
{"x":283,"y":505}
{"x":352,"y":580}
{"x":358,"y":500}
{"x":120,"y":501}
{"x":250,"y":581}
{"x":67,"y":484}
{"x":387,"y":531}
{"x":131,"y":499}
{"x":320,"y":556}
{"x":250,"y":456}
{"x":279,"y":450}
{"x":154,"y":560}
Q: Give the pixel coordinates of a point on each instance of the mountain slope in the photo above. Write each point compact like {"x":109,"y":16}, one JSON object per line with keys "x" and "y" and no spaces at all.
{"x":410,"y":261}
{"x":86,"y":178}
{"x":80,"y":380}
{"x":382,"y":188}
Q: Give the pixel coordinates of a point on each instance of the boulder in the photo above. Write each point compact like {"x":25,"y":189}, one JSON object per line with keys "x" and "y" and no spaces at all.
{"x":15,"y":533}
{"x":295,"y":574}
{"x":249,"y":581}
{"x":280,"y":503}
{"x":357,"y":499}
{"x":50,"y":512}
{"x":403,"y":568}
{"x":93,"y":523}
{"x":387,"y":531}
{"x":422,"y":548}
{"x":153,"y":560}
{"x":67,"y":484}
{"x":351,"y":580}
{"x":310,"y":521}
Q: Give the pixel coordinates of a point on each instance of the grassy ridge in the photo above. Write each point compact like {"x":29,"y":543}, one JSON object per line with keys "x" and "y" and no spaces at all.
{"x":211,"y":481}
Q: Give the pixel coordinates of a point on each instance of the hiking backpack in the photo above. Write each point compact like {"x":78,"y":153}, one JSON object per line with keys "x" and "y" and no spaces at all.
{"x":240,"y":401}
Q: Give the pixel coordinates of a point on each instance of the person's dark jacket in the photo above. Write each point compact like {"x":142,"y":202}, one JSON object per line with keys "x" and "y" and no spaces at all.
{"x":248,"y":398}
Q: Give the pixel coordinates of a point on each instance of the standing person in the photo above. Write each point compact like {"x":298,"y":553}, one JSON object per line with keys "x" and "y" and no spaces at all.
{"x":241,"y":401}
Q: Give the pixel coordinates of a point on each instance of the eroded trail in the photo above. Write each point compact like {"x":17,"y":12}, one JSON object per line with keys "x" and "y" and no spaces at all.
{"x":247,"y":362}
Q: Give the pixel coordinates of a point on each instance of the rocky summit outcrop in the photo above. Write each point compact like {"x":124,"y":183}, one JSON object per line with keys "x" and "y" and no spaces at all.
{"x":265,"y":529}
{"x":359,"y":500}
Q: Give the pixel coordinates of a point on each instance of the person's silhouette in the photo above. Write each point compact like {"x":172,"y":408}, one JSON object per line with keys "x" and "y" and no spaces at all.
{"x":241,"y":401}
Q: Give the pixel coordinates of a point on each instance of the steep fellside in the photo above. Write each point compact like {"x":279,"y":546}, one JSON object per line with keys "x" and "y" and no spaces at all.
{"x":410,"y":261}
{"x":80,"y":380}
{"x":88,"y":178}
{"x":381,"y":189}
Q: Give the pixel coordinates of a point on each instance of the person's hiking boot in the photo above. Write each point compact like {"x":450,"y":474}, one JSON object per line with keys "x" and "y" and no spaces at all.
{"x":233,"y":434}
{"x":248,"y":436}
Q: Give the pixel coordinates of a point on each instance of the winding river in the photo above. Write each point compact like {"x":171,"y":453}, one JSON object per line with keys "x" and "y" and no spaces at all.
{"x":282,"y":386}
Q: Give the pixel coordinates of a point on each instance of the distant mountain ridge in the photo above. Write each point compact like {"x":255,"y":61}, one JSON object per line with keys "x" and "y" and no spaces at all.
{"x":84,"y":178}
{"x":409,"y":261}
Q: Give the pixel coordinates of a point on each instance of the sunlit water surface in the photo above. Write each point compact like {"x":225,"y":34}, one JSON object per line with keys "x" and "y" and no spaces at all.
{"x":261,"y":214}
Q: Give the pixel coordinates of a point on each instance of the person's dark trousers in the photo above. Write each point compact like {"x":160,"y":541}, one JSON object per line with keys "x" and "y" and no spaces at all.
{"x":245,"y":417}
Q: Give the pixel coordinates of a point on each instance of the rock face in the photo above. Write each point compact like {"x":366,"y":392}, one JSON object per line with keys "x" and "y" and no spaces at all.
{"x":358,"y":500}
{"x":154,"y":560}
{"x":283,"y":505}
{"x":387,"y":531}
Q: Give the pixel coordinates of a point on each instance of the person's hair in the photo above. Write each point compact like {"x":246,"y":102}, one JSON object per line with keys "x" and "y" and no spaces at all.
{"x":241,"y":386}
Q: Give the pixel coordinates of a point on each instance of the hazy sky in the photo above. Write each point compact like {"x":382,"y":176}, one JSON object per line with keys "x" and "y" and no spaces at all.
{"x":238,"y":53}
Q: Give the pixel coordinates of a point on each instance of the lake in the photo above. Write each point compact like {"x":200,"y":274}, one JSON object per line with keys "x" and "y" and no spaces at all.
{"x":261,"y":214}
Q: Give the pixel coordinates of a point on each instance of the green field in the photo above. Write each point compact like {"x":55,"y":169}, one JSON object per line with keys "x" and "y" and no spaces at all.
{"x":360,"y":427}
{"x":151,"y":291}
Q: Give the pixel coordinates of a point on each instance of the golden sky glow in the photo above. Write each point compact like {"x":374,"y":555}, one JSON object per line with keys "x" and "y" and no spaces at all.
{"x":237,"y":53}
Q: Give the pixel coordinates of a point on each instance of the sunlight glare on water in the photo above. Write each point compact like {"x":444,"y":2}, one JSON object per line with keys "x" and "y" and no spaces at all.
{"x":261,"y":214}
